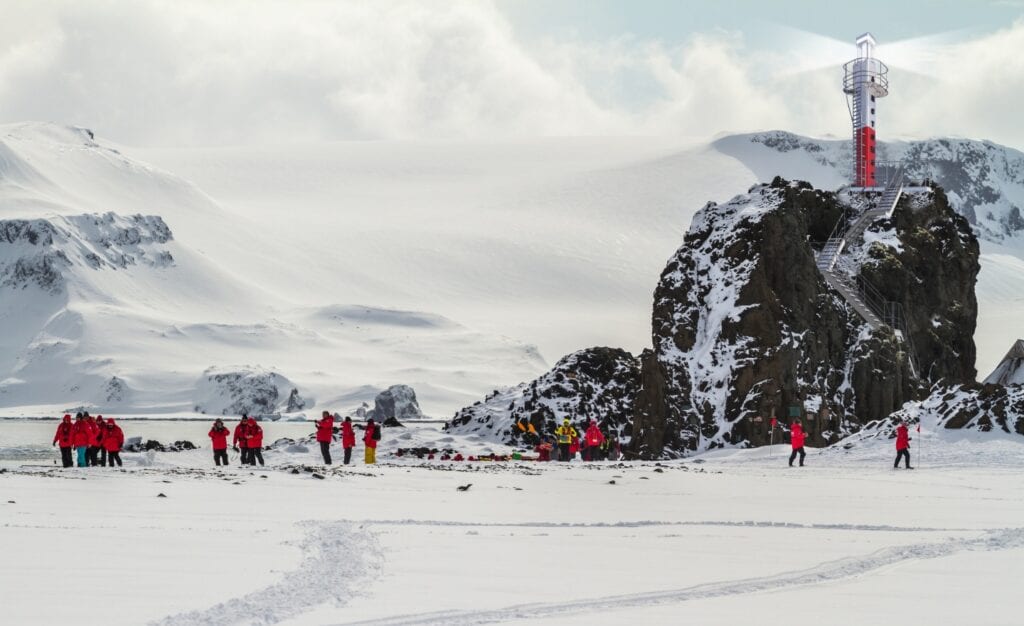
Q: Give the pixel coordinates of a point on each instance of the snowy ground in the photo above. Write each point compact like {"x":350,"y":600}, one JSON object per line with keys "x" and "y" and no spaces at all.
{"x":725,"y":538}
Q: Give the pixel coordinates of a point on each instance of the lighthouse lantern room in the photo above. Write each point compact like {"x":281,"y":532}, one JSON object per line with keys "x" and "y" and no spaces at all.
{"x":866,"y":79}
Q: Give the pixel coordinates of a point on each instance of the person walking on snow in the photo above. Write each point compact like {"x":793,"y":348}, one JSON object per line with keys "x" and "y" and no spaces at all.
{"x":81,"y":434}
{"x":66,"y":438}
{"x":325,"y":435}
{"x":594,"y":438}
{"x":370,"y":438}
{"x":254,"y":439}
{"x":219,"y":438}
{"x":902,"y":446}
{"x":348,"y":439}
{"x":796,"y":439}
{"x":565,"y":434}
{"x":240,"y":442}
{"x":113,"y":439}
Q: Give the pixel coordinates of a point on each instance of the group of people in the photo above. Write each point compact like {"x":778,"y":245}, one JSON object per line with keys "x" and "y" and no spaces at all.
{"x":98,"y":442}
{"x":326,"y":433}
{"x":593,"y":446}
{"x":248,"y":439}
{"x":95,"y":441}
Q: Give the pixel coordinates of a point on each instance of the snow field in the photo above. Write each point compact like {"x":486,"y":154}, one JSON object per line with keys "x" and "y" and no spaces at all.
{"x":712,"y":540}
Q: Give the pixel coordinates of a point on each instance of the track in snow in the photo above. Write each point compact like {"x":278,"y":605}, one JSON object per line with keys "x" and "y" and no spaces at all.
{"x":657,"y":523}
{"x":339,"y":555}
{"x":1004,"y":539}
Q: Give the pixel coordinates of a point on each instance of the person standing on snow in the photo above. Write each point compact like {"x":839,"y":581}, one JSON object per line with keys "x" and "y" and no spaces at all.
{"x":796,"y":439}
{"x":92,"y":450}
{"x":594,"y":438}
{"x":370,"y":438}
{"x":902,"y":446}
{"x":113,"y":439}
{"x":81,"y":433}
{"x":325,"y":435}
{"x":219,"y":437}
{"x":348,"y":439}
{"x":66,"y":438}
{"x":254,"y":439}
{"x":565,"y":434}
{"x":240,"y":442}
{"x":100,"y":455}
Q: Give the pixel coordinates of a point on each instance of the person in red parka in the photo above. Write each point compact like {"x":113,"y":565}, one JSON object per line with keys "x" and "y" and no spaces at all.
{"x":66,"y":438}
{"x":219,"y":438}
{"x":254,"y":440}
{"x":370,"y":438}
{"x":81,"y":434}
{"x":574,"y":445}
{"x":91,"y":449}
{"x":796,"y":439}
{"x":594,"y":438}
{"x":902,"y":446}
{"x":100,"y":455}
{"x":241,"y":439}
{"x":348,"y":439}
{"x":325,"y":435}
{"x":113,"y":439}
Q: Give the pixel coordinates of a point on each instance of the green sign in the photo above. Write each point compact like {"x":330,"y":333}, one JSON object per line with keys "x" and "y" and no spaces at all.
{"x":794,"y":411}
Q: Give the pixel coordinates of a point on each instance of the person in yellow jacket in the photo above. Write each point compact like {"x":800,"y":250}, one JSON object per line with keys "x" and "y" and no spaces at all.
{"x":565,"y":433}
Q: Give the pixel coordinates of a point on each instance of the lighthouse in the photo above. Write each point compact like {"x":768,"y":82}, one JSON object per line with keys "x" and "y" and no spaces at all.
{"x":866,"y":79}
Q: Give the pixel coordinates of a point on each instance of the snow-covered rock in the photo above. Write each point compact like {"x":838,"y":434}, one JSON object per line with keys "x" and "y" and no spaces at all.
{"x":597,"y":383}
{"x":982,"y":407}
{"x":252,"y":391}
{"x":396,"y":402}
{"x":1010,"y":370}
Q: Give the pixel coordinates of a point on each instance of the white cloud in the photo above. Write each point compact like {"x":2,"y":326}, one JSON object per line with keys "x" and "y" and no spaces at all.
{"x":160,"y":72}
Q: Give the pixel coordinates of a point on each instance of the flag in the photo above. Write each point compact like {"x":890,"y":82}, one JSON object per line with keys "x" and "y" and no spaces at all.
{"x":919,"y":427}
{"x":774,"y":421}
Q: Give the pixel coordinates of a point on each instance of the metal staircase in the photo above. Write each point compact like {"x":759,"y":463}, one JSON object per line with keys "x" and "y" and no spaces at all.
{"x":872,"y":307}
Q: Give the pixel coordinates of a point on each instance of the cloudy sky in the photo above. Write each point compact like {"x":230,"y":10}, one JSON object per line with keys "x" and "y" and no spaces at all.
{"x":161,"y":72}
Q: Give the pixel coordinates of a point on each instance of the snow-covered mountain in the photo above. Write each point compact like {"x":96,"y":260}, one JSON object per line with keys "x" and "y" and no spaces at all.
{"x":126,"y":289}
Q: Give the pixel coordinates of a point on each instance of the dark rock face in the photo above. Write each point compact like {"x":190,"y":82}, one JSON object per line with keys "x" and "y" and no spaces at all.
{"x":933,"y":279}
{"x":744,"y":326}
{"x":295,"y":402}
{"x":396,"y":402}
{"x":597,"y":383}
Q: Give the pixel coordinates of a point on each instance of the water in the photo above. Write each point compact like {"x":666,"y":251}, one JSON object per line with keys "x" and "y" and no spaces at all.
{"x":28,"y":441}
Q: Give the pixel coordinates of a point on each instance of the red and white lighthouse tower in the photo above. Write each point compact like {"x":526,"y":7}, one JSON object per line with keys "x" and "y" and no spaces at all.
{"x":866,"y":80}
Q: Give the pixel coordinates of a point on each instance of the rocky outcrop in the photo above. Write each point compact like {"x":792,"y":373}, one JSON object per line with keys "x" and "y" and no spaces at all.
{"x":397,"y":402}
{"x":295,"y":402}
{"x":974,"y":406}
{"x":1010,"y":370}
{"x":38,"y":252}
{"x":745,"y":328}
{"x":597,"y":383}
{"x":251,"y":391}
